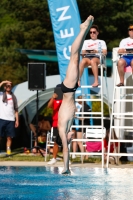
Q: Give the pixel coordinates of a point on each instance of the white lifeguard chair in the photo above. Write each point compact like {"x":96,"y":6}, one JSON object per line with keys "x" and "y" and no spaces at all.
{"x":122,"y":109}
{"x":93,"y":130}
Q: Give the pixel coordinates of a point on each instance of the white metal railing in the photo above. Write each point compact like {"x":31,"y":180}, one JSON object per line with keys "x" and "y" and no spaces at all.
{"x":49,"y":142}
{"x":119,"y":114}
{"x":95,"y":128}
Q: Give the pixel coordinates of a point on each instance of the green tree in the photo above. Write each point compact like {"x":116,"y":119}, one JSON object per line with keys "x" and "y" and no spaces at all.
{"x":26,"y":25}
{"x":23,"y":25}
{"x":112,"y":17}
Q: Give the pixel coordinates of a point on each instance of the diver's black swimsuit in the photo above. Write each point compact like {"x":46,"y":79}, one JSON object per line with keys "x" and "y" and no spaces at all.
{"x":66,"y":90}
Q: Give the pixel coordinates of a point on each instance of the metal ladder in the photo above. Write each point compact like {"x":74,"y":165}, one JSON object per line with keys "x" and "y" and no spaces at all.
{"x":93,"y":116}
{"x":121,"y":115}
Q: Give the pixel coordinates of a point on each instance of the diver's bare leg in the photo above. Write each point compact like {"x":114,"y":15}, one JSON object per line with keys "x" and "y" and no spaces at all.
{"x":72,"y":74}
{"x":62,"y":132}
{"x":65,"y":147}
{"x":65,"y":115}
{"x":84,"y":28}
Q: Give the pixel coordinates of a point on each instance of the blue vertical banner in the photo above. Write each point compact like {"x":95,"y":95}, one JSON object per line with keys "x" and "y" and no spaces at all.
{"x":66,"y":26}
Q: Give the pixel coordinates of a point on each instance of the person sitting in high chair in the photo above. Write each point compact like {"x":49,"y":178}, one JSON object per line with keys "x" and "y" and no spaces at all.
{"x":89,"y":53}
{"x":125,"y":47}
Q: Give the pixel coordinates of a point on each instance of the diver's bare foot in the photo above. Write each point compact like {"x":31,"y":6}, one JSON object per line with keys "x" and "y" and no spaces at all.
{"x":88,"y":22}
{"x":95,"y":84}
{"x":70,"y":137}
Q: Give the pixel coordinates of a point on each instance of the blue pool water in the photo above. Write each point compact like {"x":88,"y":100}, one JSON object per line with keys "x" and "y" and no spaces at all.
{"x":48,"y":183}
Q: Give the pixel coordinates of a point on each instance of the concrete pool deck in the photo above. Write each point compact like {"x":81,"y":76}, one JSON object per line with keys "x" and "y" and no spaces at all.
{"x":60,"y":164}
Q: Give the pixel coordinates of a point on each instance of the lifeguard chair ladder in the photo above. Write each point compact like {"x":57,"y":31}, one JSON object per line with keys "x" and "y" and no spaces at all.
{"x":119,"y":114}
{"x":93,"y":115}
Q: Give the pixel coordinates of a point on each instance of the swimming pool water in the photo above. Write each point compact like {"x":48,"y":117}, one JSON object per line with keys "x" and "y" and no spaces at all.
{"x":48,"y":183}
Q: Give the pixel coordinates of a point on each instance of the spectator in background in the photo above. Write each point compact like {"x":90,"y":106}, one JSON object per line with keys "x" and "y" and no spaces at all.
{"x":90,"y":56}
{"x":9,"y":119}
{"x":43,"y":124}
{"x":41,"y":140}
{"x":55,"y":103}
{"x":125,"y":46}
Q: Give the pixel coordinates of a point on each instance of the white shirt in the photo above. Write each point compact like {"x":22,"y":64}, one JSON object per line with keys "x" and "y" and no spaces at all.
{"x":93,"y":44}
{"x":7,"y":109}
{"x":126,"y":43}
{"x":78,"y":106}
